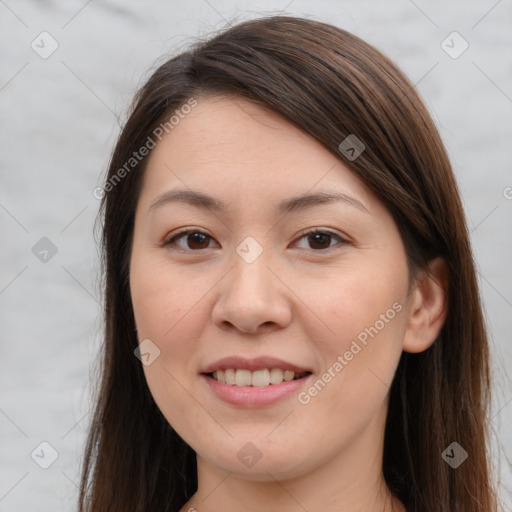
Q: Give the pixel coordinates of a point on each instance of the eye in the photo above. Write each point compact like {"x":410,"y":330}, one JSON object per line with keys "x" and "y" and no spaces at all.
{"x":320,"y":239}
{"x":193,"y":240}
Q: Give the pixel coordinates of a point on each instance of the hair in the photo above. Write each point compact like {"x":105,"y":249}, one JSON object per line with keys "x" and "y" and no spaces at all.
{"x":331,"y":84}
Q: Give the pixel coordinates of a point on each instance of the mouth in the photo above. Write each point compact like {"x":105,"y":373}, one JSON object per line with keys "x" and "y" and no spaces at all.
{"x":258,"y":378}
{"x":254,"y":382}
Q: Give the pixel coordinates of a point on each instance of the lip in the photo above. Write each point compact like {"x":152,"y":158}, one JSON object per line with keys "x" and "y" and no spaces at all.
{"x":251,"y":396}
{"x":258,"y":363}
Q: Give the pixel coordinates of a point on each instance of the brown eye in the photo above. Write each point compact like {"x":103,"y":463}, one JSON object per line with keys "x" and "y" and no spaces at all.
{"x":321,"y":240}
{"x":193,"y":240}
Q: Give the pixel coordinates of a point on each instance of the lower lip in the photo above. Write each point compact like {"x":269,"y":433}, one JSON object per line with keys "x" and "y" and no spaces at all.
{"x":254,"y":396}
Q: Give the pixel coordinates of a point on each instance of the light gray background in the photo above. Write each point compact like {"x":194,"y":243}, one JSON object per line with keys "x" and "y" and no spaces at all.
{"x":59,"y":120}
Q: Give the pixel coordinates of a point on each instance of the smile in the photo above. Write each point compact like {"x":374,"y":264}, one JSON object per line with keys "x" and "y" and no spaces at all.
{"x":258,"y":378}
{"x":254,"y":382}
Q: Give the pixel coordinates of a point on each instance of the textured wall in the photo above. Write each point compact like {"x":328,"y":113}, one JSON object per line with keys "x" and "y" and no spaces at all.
{"x":60,"y":114}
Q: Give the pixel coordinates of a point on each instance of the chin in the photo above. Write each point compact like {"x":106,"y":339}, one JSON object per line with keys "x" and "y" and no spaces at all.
{"x":261,"y":461}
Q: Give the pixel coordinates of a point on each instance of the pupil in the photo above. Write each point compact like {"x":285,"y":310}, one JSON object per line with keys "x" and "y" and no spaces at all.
{"x":196,"y":238}
{"x":320,"y":238}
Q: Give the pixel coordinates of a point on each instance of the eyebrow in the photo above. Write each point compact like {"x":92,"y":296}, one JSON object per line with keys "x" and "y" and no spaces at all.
{"x":204,"y":201}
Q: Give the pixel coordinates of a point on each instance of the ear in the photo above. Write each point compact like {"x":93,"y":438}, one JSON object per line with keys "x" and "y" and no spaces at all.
{"x":427,"y":307}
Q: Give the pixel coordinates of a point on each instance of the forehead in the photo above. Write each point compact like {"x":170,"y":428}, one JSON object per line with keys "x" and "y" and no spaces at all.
{"x":232,"y":146}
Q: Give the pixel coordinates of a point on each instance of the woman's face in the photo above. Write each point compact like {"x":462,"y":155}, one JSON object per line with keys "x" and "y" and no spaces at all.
{"x":253,"y":295}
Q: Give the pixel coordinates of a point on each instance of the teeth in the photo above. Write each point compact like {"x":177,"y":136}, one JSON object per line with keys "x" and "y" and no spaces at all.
{"x":220,"y":376}
{"x":243,"y":377}
{"x":258,"y":378}
{"x":276,"y":376}
{"x":288,"y":375}
{"x":229,"y":376}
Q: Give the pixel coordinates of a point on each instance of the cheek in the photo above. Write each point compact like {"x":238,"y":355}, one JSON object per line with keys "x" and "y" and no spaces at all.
{"x":164,"y":299}
{"x":357,"y":329}
{"x":357,"y":304}
{"x":167,"y":312}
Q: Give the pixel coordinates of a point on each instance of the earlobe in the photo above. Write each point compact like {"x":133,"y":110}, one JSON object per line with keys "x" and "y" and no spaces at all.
{"x":427,"y":308}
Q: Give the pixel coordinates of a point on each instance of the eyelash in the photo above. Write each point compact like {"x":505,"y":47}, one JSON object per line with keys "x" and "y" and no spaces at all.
{"x":171,"y":241}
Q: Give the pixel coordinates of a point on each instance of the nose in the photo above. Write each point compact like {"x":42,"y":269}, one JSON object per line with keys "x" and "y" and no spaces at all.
{"x":252,"y":299}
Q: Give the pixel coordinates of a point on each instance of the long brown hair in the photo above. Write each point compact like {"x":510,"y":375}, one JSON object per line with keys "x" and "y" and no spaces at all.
{"x":331,"y":84}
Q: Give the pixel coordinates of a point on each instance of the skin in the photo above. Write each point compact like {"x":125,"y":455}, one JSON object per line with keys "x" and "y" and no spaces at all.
{"x":301,"y":300}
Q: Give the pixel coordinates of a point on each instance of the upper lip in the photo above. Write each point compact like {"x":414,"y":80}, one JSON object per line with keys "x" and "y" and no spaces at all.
{"x":258,"y":363}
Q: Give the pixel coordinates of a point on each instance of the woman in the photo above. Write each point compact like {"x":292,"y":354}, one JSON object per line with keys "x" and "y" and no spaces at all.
{"x":292,"y":314}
